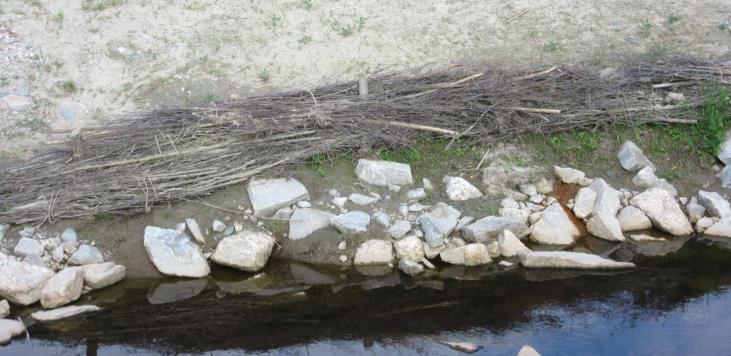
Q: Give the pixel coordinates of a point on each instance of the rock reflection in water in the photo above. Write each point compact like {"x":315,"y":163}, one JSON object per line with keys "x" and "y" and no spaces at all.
{"x":173,"y":291}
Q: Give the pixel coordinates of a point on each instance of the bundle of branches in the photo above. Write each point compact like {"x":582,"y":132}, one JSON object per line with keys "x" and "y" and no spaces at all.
{"x":147,"y":158}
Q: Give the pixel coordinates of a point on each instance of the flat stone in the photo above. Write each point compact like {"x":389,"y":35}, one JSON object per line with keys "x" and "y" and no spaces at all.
{"x":438,"y":223}
{"x":306,"y":221}
{"x":374,"y":252}
{"x":584,"y":202}
{"x":352,"y":223}
{"x":416,"y":194}
{"x":569,"y":175}
{"x":85,"y":255}
{"x":269,"y":195}
{"x":101,"y":275}
{"x":721,"y":228}
{"x":633,"y":219}
{"x":195,"y":230}
{"x":10,"y":329}
{"x":64,"y":312}
{"x":664,"y":212}
{"x":174,"y":254}
{"x":488,"y":228}
{"x":399,"y":229}
{"x":21,"y":283}
{"x":460,"y":189}
{"x":475,"y":254}
{"x":632,"y":158}
{"x":554,"y":228}
{"x":570,"y":260}
{"x":69,"y":235}
{"x":509,"y":245}
{"x":714,"y":203}
{"x":247,"y":251}
{"x":28,"y":246}
{"x":410,"y":267}
{"x":409,"y":247}
{"x":218,"y":226}
{"x":383,"y":173}
{"x":360,"y":199}
{"x":63,"y":288}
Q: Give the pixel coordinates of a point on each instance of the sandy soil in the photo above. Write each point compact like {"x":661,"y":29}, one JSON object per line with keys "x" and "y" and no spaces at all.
{"x":72,"y":63}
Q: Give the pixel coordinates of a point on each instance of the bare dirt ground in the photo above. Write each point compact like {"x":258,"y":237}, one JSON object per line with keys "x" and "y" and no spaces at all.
{"x":79,"y":62}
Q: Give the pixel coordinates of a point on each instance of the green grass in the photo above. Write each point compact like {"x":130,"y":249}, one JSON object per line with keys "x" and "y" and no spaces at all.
{"x":646,"y":28}
{"x":673,"y":18}
{"x":656,"y":53}
{"x":58,"y":19}
{"x":715,"y":118}
{"x":305,"y":39}
{"x":317,"y":162}
{"x":551,"y":46}
{"x":306,"y":4}
{"x":68,"y":86}
{"x":264,"y":75}
{"x":99,"y":5}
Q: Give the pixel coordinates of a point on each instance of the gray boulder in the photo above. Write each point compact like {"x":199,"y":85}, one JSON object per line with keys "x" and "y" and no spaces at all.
{"x":720,"y":228}
{"x":10,"y":329}
{"x":360,"y":199}
{"x":458,"y":188}
{"x":646,"y":178}
{"x":475,"y":254}
{"x":28,"y":246}
{"x":725,"y":177}
{"x":269,"y":195}
{"x":584,"y":202}
{"x":509,"y":245}
{"x":399,"y":229}
{"x":664,"y":212}
{"x":383,"y":173}
{"x":352,"y":223}
{"x":715,"y":204}
{"x":724,"y":152}
{"x":487,"y":229}
{"x":64,"y":312}
{"x":633,"y":219}
{"x":21,"y":283}
{"x":174,"y":254}
{"x":695,"y":210}
{"x":63,"y":288}
{"x":304,"y":222}
{"x":632,"y":158}
{"x":570,"y":260}
{"x":100,"y":275}
{"x":86,"y":255}
{"x":382,"y":219}
{"x":554,"y":228}
{"x":569,"y":175}
{"x":439,"y":223}
{"x":247,"y":251}
{"x":605,"y":226}
{"x":374,"y":252}
{"x":409,"y":247}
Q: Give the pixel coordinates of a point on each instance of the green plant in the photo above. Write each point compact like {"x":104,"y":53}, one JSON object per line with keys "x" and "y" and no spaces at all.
{"x":646,"y":28}
{"x":715,"y":118}
{"x":276,"y":20}
{"x":551,"y":46}
{"x":656,"y":53}
{"x":305,"y":39}
{"x":318,"y":164}
{"x":58,"y":18}
{"x":264,"y":75}
{"x":673,"y":18}
{"x":68,"y":86}
{"x":306,"y":4}
{"x":360,"y":21}
{"x":98,"y":5}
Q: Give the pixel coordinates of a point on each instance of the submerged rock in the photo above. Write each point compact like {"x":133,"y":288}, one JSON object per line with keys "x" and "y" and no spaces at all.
{"x":269,"y":195}
{"x":439,"y":223}
{"x":475,"y":254}
{"x":383,"y":173}
{"x":632,"y":158}
{"x":458,"y":188}
{"x":306,"y":221}
{"x":509,"y":245}
{"x":565,"y":259}
{"x":174,"y":254}
{"x":100,"y":275}
{"x":374,"y":252}
{"x":21,"y":283}
{"x":10,"y":329}
{"x":715,"y":204}
{"x":554,"y":228}
{"x":247,"y":251}
{"x":664,"y":212}
{"x":488,"y":228}
{"x":86,"y":255}
{"x":63,"y":288}
{"x":64,"y":312}
{"x":462,"y":346}
{"x":352,"y":223}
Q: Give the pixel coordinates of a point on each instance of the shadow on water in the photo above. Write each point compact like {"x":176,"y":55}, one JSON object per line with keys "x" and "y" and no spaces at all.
{"x":290,"y":305}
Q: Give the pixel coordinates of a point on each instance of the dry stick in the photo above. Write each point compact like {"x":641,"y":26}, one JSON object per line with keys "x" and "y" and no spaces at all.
{"x":536,"y":110}
{"x":530,"y":76}
{"x":519,"y":15}
{"x":414,"y":126}
{"x":441,"y":85}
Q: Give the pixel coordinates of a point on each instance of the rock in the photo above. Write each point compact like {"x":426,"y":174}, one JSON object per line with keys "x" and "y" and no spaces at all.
{"x":605,"y":226}
{"x":645,"y":238}
{"x":633,"y":219}
{"x":528,"y":189}
{"x":306,"y":221}
{"x":416,"y":207}
{"x":218,"y":226}
{"x":63,"y":288}
{"x":269,"y":195}
{"x":724,"y":152}
{"x":62,"y":313}
{"x":632,"y":158}
{"x":247,"y":251}
{"x":464,"y":221}
{"x":664,"y":212}
{"x":569,"y":175}
{"x":35,"y":260}
{"x":27,"y":246}
{"x":433,"y":252}
{"x":228,"y":230}
{"x":410,"y":267}
{"x":101,"y":275}
{"x":10,"y":329}
{"x":86,"y":255}
{"x":382,"y":219}
{"x":15,"y":102}
{"x":394,"y":188}
{"x":342,"y":245}
{"x":427,"y":184}
{"x":584,"y":202}
{"x":21,"y":283}
{"x":173,"y":291}
{"x":721,"y":228}
{"x":460,"y":189}
{"x":527,"y":350}
{"x":703,"y":224}
{"x":399,"y":229}
{"x":509,"y":245}
{"x":383,"y":173}
{"x":554,"y":228}
{"x":3,"y":229}
{"x":646,"y":178}
{"x":283,"y":213}
{"x":374,"y":252}
{"x":4,"y":308}
{"x":725,"y":177}
{"x":475,"y":254}
{"x":343,"y":258}
{"x":537,"y":199}
{"x":695,"y":210}
{"x":439,"y":223}
{"x":304,"y":204}
{"x":360,"y":199}
{"x":352,"y":223}
{"x":174,"y":254}
{"x":409,"y":247}
{"x":488,"y":228}
{"x":607,"y":198}
{"x":238,"y":227}
{"x":416,"y":194}
{"x":180,"y":227}
{"x":515,"y":195}
{"x":462,"y":346}
{"x":522,"y":214}
{"x":572,"y":260}
{"x":195,"y":230}
{"x":714,"y":203}
{"x":509,"y":203}
{"x":69,"y":235}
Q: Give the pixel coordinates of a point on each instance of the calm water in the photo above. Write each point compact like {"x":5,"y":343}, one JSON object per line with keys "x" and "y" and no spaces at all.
{"x":679,"y":304}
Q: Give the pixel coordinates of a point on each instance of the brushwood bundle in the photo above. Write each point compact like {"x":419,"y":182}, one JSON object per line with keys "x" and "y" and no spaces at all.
{"x":149,"y":158}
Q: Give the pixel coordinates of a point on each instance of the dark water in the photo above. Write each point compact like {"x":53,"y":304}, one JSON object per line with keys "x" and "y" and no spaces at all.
{"x":679,"y":304}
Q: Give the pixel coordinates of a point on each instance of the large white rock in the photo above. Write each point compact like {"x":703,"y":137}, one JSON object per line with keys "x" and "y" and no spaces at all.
{"x":458,"y":188}
{"x":605,"y":226}
{"x":572,"y":260}
{"x":174,"y":254}
{"x":569,"y":175}
{"x":664,"y":212}
{"x":21,"y":283}
{"x":27,"y":246}
{"x":633,"y":219}
{"x":584,"y":202}
{"x":475,"y":254}
{"x":247,"y":251}
{"x":64,"y":312}
{"x":410,"y":247}
{"x":351,"y":223}
{"x":85,"y":255}
{"x":509,"y":245}
{"x":268,"y":195}
{"x":304,"y":222}
{"x":488,"y":228}
{"x":383,"y":173}
{"x":724,"y":152}
{"x":725,"y":177}
{"x":554,"y":228}
{"x":10,"y":329}
{"x":63,"y":288}
{"x":527,"y":350}
{"x":374,"y":252}
{"x":399,"y":229}
{"x":714,"y":203}
{"x":721,"y":228}
{"x":438,"y":223}
{"x":100,"y":275}
{"x":607,"y":198}
{"x":631,"y":157}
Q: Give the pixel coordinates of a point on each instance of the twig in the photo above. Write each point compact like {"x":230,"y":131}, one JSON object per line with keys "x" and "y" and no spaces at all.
{"x":414,"y":126}
{"x":531,"y":76}
{"x":517,"y":16}
{"x":536,"y":110}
